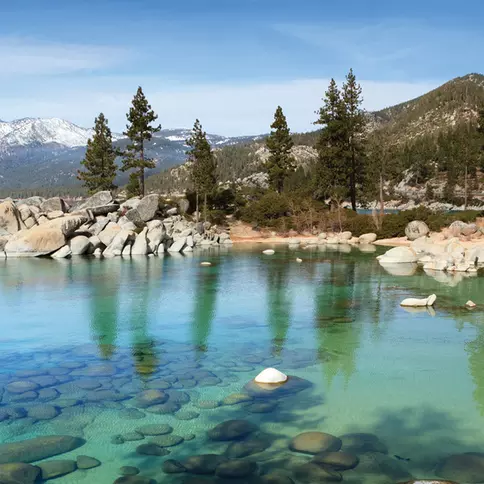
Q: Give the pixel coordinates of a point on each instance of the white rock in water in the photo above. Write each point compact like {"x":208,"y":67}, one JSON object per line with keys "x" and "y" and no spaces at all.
{"x":268,"y":252}
{"x":270,"y":375}
{"x":298,"y":260}
{"x":413,"y":302}
{"x":470,"y":304}
{"x":205,"y":264}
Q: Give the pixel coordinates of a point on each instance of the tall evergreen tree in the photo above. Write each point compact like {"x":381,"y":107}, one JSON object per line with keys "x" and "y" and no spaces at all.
{"x":280,"y":163}
{"x":354,"y":122}
{"x":203,"y":165}
{"x":139,"y":130}
{"x":99,"y":160}
{"x":331,"y":177}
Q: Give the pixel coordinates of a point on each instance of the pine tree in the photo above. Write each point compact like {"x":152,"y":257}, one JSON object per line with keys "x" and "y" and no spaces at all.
{"x":139,"y":130}
{"x":280,"y":163}
{"x":354,"y":122}
{"x":203,"y":165}
{"x":99,"y":160}
{"x":331,"y":176}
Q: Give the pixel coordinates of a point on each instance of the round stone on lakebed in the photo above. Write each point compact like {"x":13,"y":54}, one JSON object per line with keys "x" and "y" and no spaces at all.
{"x":247,"y":447}
{"x":22,"y":386}
{"x":277,"y":477}
{"x":293,"y":385}
{"x":232,"y":430}
{"x":131,"y":414}
{"x":172,"y":466}
{"x":207,"y":404}
{"x":468,"y":467}
{"x":134,"y":480}
{"x":234,"y":469}
{"x":339,"y":461}
{"x":203,"y":464}
{"x":149,"y":398}
{"x":154,"y":429}
{"x":43,"y":412}
{"x":315,"y":443}
{"x":56,"y":468}
{"x":164,"y":408}
{"x":236,"y":398}
{"x":168,"y":440}
{"x":310,"y":473}
{"x":151,"y":449}
{"x":19,"y":473}
{"x":188,"y":415}
{"x":86,"y":462}
{"x":38,"y":448}
{"x":132,"y":436}
{"x":129,"y":471}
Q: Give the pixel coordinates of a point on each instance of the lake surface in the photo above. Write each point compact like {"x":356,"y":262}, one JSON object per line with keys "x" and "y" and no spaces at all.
{"x":92,"y":334}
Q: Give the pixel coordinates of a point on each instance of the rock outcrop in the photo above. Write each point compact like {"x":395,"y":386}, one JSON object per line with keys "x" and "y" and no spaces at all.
{"x":101,"y":226}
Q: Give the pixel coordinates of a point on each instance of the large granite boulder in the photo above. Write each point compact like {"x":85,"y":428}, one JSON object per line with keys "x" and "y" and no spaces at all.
{"x":148,"y":206}
{"x":10,"y":220}
{"x":177,"y":245}
{"x":416,"y":229}
{"x":34,"y":201}
{"x":56,"y":468}
{"x":367,"y":238}
{"x":53,"y":204}
{"x":108,"y":233}
{"x":79,"y":245}
{"x":140,"y":246}
{"x":99,"y":199}
{"x":116,"y":247}
{"x":44,"y":239}
{"x":398,"y":255}
{"x":38,"y":448}
{"x":156,"y":233}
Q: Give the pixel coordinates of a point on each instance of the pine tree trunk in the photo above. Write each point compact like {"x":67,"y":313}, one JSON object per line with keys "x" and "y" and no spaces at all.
{"x":352,"y":180}
{"x":142,"y":173}
{"x":339,"y":217}
{"x":465,"y":188}
{"x":198,"y":213}
{"x":205,"y":207}
{"x":382,"y":203}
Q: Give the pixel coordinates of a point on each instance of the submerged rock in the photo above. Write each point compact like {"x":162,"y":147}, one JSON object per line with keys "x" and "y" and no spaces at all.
{"x":269,"y":252}
{"x":232,"y":430}
{"x":293,"y":385}
{"x":38,"y":448}
{"x":237,"y":450}
{"x":339,"y":461}
{"x":172,"y":466}
{"x":311,"y":473}
{"x":56,"y":468}
{"x":86,"y":462}
{"x":151,"y":449}
{"x":234,"y":469}
{"x":129,"y":471}
{"x":154,"y":429}
{"x":270,"y":375}
{"x":468,"y":467}
{"x":315,"y":443}
{"x":134,"y":480}
{"x":19,"y":473}
{"x":203,"y":464}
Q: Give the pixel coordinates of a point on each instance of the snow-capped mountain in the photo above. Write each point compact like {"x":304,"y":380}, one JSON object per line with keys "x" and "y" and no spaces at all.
{"x":47,"y":152}
{"x":29,"y":131}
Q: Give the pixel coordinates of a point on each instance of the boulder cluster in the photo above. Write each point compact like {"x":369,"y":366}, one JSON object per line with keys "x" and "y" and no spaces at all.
{"x":442,"y":251}
{"x":329,"y":238}
{"x":101,"y":226}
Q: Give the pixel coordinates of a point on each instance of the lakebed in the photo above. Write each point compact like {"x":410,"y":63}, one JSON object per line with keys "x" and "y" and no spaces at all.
{"x":92,"y":335}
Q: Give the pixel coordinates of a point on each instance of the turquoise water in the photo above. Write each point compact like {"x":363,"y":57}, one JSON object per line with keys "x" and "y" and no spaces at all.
{"x":92,"y":334}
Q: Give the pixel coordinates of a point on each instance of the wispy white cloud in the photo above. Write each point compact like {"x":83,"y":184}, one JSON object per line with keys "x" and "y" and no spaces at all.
{"x":223,"y":109}
{"x":24,"y":56}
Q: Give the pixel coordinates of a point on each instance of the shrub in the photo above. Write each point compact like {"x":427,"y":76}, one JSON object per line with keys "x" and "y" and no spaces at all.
{"x":266,"y":209}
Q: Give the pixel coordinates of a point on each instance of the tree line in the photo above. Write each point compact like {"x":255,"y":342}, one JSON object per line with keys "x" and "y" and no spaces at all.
{"x":354,"y":162}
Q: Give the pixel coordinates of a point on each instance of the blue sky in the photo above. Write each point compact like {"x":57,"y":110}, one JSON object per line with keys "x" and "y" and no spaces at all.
{"x":228,"y":62}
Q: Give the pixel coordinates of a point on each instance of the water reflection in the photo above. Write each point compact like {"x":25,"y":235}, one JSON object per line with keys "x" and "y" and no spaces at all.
{"x":278,"y":303}
{"x":204,"y":305}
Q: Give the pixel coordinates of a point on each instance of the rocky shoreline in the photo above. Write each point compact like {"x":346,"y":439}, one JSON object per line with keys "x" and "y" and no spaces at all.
{"x":102,"y":226}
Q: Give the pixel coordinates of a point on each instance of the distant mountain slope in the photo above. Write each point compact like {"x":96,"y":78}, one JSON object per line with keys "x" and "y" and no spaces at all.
{"x":447,"y":107}
{"x":46,"y":152}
